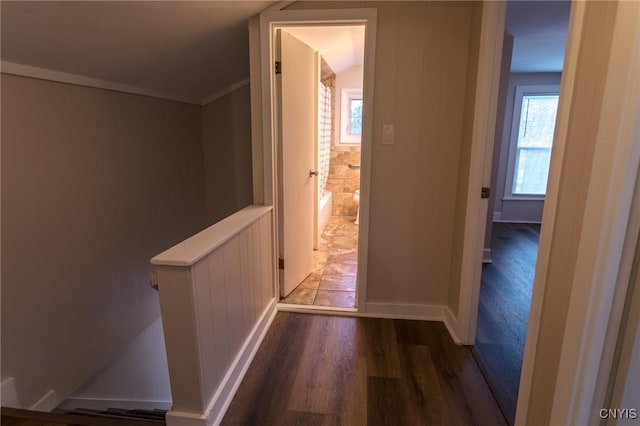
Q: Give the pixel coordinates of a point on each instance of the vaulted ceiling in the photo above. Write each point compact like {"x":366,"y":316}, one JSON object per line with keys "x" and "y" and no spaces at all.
{"x":539,"y":29}
{"x":341,"y":46}
{"x":186,"y":50}
{"x":192,"y":50}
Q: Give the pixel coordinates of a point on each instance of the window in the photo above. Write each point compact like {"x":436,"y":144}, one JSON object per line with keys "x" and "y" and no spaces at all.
{"x":351,"y":116}
{"x":534,"y":119}
{"x":355,"y":117}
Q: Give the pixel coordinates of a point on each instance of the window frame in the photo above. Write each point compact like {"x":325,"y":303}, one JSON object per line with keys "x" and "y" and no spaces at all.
{"x":346,"y":96}
{"x":520,"y":92}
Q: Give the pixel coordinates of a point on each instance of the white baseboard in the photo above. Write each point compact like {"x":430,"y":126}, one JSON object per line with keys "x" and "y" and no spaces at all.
{"x":451,"y":322}
{"x":47,"y":403}
{"x":404,"y":311}
{"x":486,"y":255}
{"x":103,"y":404}
{"x":416,"y":312}
{"x":220,"y":401}
{"x":534,"y":222}
{"x":9,"y":393}
{"x":497,"y":216}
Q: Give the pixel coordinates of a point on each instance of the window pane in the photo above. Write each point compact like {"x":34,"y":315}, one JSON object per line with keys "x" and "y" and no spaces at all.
{"x":531,"y":171}
{"x":535,"y":137}
{"x":537,"y":120}
{"x":355,"y":116}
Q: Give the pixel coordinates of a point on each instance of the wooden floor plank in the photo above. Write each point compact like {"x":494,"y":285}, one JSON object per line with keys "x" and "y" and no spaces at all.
{"x":503,"y":313}
{"x":361,"y":371}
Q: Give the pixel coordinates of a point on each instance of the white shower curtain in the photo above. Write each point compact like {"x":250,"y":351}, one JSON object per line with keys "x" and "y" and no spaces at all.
{"x":324,"y":136}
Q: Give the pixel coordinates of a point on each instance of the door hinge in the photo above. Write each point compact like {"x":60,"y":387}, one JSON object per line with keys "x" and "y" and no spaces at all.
{"x":280,"y":263}
{"x":278,"y":67}
{"x":485,"y":192}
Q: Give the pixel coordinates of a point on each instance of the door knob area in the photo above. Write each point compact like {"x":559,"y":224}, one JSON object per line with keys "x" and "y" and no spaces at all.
{"x":313,"y":173}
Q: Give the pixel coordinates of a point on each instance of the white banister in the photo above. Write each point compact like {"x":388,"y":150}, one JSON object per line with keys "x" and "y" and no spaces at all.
{"x":217,"y":299}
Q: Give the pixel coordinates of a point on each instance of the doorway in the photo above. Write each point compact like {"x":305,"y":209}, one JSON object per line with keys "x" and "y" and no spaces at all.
{"x":322,"y":109}
{"x":527,"y":107}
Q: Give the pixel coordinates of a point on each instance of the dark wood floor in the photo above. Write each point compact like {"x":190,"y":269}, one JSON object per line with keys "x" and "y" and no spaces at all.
{"x":18,"y":417}
{"x":505,"y":299}
{"x":328,"y":370}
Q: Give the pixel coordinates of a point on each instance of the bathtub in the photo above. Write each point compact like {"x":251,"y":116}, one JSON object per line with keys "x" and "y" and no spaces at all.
{"x":324,"y":213}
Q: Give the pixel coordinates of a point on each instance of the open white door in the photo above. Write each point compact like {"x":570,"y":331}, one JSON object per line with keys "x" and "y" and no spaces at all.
{"x":298,"y":90}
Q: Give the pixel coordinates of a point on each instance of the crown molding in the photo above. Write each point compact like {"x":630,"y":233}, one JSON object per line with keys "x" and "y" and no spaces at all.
{"x":224,"y":92}
{"x":81,"y":80}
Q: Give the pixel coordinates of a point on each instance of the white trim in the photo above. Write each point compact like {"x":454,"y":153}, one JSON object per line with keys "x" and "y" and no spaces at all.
{"x":221,"y":400}
{"x":194,"y":248}
{"x":347,"y":139}
{"x":405,"y":311}
{"x":316,"y":309}
{"x":278,"y":6}
{"x":9,"y":393}
{"x":532,"y":222}
{"x":607,"y":211}
{"x":522,"y":90}
{"x":576,"y":22}
{"x":451,"y":322}
{"x":270,"y":19}
{"x":485,"y":107}
{"x":523,"y":198}
{"x":224,"y":92}
{"x":104,"y":403}
{"x":81,"y":80}
{"x":497,"y":216}
{"x":47,"y":403}
{"x":387,"y":311}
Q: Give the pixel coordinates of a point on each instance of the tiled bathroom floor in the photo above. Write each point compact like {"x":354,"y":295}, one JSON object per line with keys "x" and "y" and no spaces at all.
{"x":333,"y":280}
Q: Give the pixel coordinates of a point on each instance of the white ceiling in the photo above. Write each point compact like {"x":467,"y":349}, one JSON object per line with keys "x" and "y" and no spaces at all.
{"x":539,"y":29}
{"x":184,"y":49}
{"x":340,"y":46}
{"x":191,"y":50}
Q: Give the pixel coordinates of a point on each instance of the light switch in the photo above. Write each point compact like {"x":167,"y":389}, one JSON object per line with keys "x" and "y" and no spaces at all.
{"x":388,"y":134}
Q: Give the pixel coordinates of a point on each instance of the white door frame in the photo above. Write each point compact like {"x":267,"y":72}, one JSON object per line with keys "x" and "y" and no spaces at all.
{"x":605,"y":223}
{"x":600,"y":268}
{"x":484,"y":126}
{"x":269,"y":20}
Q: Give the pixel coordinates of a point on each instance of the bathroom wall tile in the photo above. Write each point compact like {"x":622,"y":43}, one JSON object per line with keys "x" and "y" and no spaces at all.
{"x":339,"y":170}
{"x":339,"y":157}
{"x":343,"y":198}
{"x":336,"y":185}
{"x":350,"y":185}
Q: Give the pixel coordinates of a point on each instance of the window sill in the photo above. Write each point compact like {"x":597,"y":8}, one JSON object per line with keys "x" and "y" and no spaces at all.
{"x":523,"y":198}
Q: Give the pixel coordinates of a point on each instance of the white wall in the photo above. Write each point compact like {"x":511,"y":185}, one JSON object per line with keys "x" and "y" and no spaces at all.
{"x":94,"y":183}
{"x":517,"y":210}
{"x":424,"y":56}
{"x":137,"y":375}
{"x":351,"y":78}
{"x":626,"y":383}
{"x":579,"y":151}
{"x":226,"y":139}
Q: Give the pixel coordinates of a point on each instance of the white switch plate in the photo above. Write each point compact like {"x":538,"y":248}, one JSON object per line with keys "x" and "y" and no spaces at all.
{"x":388,"y":134}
